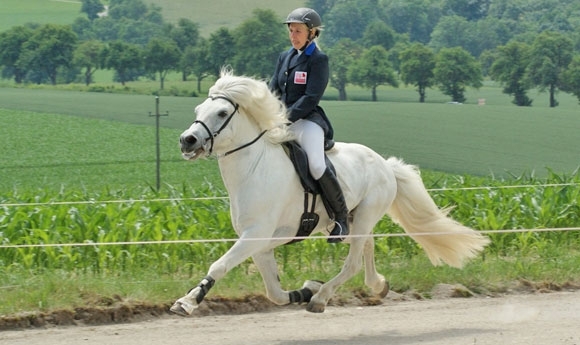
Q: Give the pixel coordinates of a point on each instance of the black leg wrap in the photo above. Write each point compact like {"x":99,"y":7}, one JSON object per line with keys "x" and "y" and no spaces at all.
{"x":205,"y":284}
{"x":300,"y":296}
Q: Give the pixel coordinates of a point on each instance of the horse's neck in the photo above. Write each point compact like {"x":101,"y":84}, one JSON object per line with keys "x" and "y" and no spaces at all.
{"x":260,"y":163}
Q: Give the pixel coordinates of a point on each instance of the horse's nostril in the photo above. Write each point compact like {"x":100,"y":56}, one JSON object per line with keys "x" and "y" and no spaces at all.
{"x":190,"y":139}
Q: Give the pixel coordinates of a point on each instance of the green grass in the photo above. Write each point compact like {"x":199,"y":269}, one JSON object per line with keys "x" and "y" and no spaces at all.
{"x":48,"y":151}
{"x":18,"y":12}
{"x":488,"y":140}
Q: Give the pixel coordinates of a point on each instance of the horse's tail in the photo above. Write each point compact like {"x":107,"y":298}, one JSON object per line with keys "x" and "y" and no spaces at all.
{"x":442,"y":238}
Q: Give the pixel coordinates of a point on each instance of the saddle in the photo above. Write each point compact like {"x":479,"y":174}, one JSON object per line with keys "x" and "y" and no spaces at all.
{"x":309,"y":219}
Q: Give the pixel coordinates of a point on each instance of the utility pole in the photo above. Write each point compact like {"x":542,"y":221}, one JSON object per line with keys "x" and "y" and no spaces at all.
{"x":158,"y":144}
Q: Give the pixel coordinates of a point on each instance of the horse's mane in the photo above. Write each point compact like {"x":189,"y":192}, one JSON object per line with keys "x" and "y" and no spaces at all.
{"x":256,"y":101}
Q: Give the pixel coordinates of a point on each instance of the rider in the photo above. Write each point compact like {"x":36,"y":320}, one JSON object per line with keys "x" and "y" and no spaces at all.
{"x":300,"y":79}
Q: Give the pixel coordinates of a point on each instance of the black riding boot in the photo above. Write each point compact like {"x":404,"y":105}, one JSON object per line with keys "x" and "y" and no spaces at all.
{"x":333,"y":193}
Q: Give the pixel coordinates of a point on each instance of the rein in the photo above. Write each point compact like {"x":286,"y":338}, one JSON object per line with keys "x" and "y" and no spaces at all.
{"x":211,"y":135}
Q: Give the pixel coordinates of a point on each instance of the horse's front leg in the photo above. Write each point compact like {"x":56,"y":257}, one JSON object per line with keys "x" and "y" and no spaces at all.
{"x":237,"y":254}
{"x":266,"y":264}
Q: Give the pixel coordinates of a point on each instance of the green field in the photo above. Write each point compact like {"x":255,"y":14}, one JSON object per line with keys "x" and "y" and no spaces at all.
{"x":18,"y":12}
{"x":210,"y":15}
{"x":499,"y":140}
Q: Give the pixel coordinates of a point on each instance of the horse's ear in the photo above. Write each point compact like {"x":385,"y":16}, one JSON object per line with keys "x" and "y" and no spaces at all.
{"x":226,"y":70}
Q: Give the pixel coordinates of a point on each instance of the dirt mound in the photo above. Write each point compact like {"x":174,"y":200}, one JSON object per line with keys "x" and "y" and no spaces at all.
{"x":119,"y":311}
{"x":116,"y":310}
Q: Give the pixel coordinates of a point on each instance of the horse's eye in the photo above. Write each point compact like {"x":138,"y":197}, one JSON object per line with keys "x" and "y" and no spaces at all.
{"x":223,"y":113}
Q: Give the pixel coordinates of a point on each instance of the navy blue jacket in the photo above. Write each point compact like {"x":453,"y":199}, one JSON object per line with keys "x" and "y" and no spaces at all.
{"x":300,"y":85}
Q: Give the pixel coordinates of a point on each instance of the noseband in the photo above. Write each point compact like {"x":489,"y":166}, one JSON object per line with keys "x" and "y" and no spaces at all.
{"x":211,"y":135}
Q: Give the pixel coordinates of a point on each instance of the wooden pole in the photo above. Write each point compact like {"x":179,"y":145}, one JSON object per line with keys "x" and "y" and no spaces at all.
{"x":157,"y":141}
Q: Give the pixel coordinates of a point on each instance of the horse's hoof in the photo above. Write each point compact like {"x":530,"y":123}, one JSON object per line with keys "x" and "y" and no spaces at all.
{"x":315,"y":307}
{"x":385,"y":291}
{"x":182,"y":308}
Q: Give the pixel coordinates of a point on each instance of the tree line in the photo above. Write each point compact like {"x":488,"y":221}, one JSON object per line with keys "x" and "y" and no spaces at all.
{"x":449,"y":44}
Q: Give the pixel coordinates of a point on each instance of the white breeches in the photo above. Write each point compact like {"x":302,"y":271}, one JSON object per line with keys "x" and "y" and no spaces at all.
{"x":310,"y":136}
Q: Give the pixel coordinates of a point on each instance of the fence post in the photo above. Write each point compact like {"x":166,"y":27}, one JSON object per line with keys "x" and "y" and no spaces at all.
{"x":157,"y":141}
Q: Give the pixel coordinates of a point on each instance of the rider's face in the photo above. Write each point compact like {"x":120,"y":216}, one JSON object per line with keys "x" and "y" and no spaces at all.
{"x":298,"y":33}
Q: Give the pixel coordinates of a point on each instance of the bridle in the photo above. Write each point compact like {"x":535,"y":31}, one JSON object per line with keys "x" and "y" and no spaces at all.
{"x":211,"y":135}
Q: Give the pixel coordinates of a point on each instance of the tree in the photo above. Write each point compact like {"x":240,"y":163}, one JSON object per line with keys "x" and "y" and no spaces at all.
{"x":89,"y":55}
{"x":161,"y":56}
{"x":486,"y":59}
{"x":341,"y":56}
{"x":185,"y":34}
{"x":138,"y":32}
{"x":105,"y":29}
{"x":131,"y":9}
{"x":471,"y":10}
{"x":373,"y":69}
{"x":455,"y":69}
{"x":221,"y":50}
{"x":418,"y":63}
{"x":131,"y":21}
{"x":92,"y":8}
{"x":378,"y":33}
{"x":395,"y":53}
{"x":550,"y":54}
{"x":83,"y":27}
{"x":571,"y":78}
{"x":123,"y":58}
{"x":348,"y":19}
{"x":11,"y":45}
{"x":451,"y":31}
{"x":259,"y":41}
{"x":49,"y":48}
{"x":487,"y":34}
{"x":196,"y":59}
{"x":509,"y":68}
{"x":413,"y":17}
{"x":321,"y":6}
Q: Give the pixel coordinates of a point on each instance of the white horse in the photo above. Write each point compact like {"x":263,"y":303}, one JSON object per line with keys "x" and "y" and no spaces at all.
{"x":243,"y":124}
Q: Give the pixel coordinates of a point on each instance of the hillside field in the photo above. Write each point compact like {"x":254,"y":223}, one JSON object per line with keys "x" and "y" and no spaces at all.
{"x":210,"y":15}
{"x":495,"y":139}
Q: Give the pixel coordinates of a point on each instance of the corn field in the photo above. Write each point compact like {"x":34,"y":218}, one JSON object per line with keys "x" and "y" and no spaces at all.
{"x":96,"y":232}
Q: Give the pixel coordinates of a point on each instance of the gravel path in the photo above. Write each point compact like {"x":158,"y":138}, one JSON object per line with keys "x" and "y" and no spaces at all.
{"x":546,"y":319}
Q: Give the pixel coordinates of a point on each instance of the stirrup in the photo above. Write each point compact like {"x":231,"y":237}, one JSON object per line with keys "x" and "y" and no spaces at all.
{"x":339,"y":233}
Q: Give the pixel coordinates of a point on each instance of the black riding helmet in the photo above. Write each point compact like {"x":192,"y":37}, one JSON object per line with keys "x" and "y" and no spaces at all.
{"x":306,"y":16}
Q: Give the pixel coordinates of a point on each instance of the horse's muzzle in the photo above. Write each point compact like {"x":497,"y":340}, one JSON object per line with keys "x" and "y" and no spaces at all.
{"x":191,"y":147}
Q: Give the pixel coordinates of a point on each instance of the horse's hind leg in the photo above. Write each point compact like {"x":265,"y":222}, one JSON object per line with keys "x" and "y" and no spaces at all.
{"x":266,"y":263}
{"x":373,"y":279}
{"x":365,"y":216}
{"x":352,"y":265}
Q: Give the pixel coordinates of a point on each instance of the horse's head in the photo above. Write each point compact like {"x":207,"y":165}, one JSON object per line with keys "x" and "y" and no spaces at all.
{"x":259,"y":111}
{"x":212,"y":116}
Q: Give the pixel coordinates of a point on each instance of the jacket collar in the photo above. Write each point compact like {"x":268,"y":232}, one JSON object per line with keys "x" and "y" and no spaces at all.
{"x":310,"y":48}
{"x":308,"y":51}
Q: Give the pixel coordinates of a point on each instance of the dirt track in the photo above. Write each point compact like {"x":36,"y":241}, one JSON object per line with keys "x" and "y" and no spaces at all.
{"x":550,"y":318}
